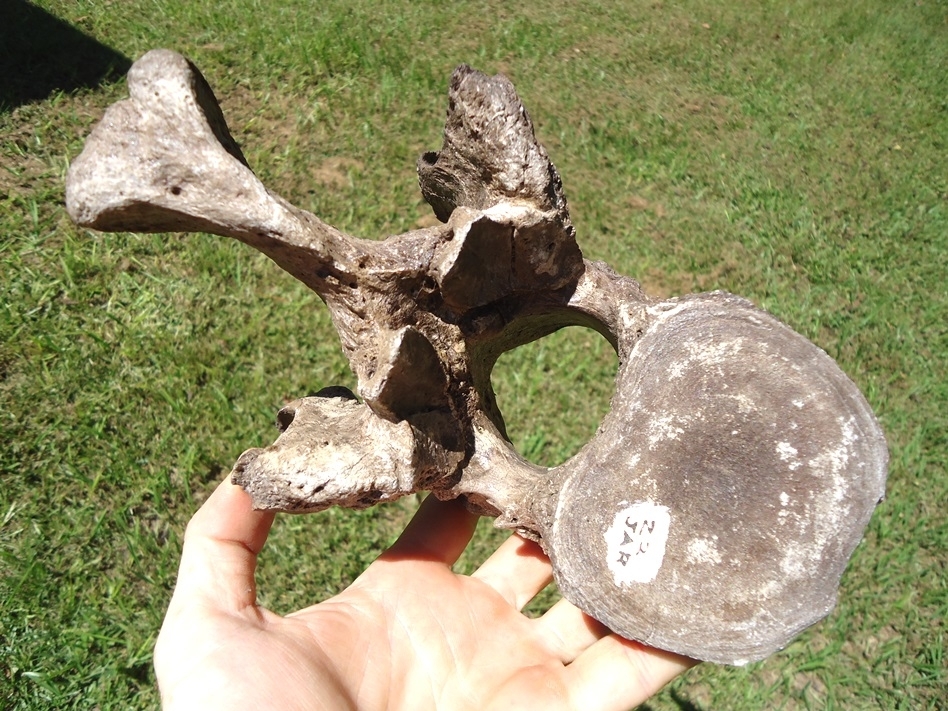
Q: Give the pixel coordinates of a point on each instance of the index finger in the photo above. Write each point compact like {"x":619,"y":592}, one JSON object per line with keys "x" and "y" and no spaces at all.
{"x":439,"y":531}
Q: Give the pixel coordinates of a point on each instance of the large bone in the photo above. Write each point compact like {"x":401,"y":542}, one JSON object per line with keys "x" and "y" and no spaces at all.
{"x":713,"y":512}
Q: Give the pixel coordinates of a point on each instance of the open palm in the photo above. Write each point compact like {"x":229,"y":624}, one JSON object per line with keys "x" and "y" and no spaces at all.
{"x":409,"y":633}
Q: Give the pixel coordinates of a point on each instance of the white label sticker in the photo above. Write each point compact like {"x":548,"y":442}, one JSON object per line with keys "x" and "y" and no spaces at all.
{"x":636,"y":542}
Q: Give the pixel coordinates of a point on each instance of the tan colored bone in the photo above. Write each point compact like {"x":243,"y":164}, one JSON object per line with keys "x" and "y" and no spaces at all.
{"x":715,"y":509}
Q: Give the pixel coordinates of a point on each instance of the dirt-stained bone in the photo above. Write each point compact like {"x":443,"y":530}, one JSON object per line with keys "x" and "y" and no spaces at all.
{"x":715,"y":509}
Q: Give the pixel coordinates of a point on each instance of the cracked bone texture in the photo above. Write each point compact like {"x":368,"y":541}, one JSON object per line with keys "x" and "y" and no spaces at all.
{"x":716,"y":507}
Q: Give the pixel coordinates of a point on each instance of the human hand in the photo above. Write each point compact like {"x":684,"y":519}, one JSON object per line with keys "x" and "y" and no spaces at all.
{"x":409,"y":633}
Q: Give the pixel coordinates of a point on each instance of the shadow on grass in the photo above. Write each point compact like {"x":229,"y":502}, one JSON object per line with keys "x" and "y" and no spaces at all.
{"x":680,"y":701}
{"x":40,"y":54}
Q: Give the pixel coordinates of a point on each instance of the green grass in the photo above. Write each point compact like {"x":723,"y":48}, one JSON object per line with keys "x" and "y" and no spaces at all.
{"x":794,"y":153}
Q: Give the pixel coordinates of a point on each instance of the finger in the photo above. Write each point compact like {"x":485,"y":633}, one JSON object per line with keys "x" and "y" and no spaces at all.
{"x":568,"y":631}
{"x":221,"y":545}
{"x":439,"y":531}
{"x":518,"y":570}
{"x":616,"y":674}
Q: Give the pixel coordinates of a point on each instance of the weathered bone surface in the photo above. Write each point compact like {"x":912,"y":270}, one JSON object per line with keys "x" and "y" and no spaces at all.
{"x":714,"y":511}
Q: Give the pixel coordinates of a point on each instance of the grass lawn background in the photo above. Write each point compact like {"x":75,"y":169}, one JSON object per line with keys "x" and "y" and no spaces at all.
{"x":791,"y":152}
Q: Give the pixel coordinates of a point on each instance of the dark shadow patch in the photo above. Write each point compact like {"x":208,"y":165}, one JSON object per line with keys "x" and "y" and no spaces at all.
{"x":680,"y":701}
{"x":40,"y":54}
{"x":140,"y":672}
